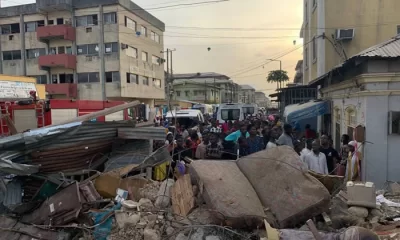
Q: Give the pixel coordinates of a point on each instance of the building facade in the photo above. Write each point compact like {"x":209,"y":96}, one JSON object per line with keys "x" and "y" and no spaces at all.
{"x":104,"y":49}
{"x":335,"y":30}
{"x":261,"y":99}
{"x":247,"y":94}
{"x":365,"y":92}
{"x":213,"y":88}
{"x":298,"y":77}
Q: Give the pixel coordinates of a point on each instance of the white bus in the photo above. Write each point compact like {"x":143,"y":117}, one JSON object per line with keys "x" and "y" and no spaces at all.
{"x":205,"y":109}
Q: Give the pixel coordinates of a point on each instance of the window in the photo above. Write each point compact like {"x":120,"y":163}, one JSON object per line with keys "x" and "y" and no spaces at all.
{"x":35,"y":53}
{"x":10,"y":28}
{"x":394,"y":122}
{"x":178,"y":93}
{"x":398,"y":29}
{"x":145,"y":56}
{"x":157,"y":82}
{"x":314,"y":50}
{"x":68,"y":50}
{"x":132,"y":78}
{"x":155,"y":37}
{"x":40,"y":79}
{"x":52,"y":51}
{"x":156,"y":60}
{"x":132,"y":52}
{"x":306,"y":57}
{"x":61,"y":50}
{"x":30,"y":27}
{"x":145,"y":80}
{"x":60,"y":21}
{"x":87,"y":49}
{"x":187,"y":93}
{"x":50,"y":22}
{"x":89,"y":20}
{"x":129,"y":23}
{"x":110,"y":18}
{"x":110,"y":47}
{"x":112,"y":77}
{"x":88,"y":77}
{"x":144,"y":31}
{"x":12,"y":55}
{"x":54,"y":78}
{"x":230,"y":114}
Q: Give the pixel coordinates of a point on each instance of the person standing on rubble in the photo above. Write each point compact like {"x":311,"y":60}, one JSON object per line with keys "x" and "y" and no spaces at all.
{"x":316,"y":160}
{"x":353,"y":163}
{"x":332,"y":156}
{"x":286,"y":138}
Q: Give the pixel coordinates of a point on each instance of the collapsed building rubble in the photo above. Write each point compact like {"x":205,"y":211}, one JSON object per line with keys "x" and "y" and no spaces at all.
{"x":85,"y":180}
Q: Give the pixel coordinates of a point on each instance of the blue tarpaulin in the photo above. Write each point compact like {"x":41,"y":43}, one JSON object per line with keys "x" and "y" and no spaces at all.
{"x":314,"y":108}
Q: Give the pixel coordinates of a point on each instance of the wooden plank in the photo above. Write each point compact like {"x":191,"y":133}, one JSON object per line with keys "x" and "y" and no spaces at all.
{"x":182,"y":196}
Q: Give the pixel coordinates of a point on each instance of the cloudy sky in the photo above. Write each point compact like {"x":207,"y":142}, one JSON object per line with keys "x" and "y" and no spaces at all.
{"x":256,"y":30}
{"x":242,"y":34}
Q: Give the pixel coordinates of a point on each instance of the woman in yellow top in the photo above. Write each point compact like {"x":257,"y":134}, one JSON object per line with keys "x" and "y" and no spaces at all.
{"x":353,"y":163}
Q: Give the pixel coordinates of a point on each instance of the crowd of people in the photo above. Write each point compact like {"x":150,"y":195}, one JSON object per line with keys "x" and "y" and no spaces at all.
{"x":236,"y":139}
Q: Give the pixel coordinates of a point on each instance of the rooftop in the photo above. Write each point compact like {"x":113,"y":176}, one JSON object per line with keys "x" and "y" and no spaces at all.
{"x":247,"y":87}
{"x":385,"y":50}
{"x":200,"y":75}
{"x":37,"y":8}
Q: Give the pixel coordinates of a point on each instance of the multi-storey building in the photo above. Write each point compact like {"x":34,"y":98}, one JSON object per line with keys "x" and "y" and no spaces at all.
{"x":261,"y":99}
{"x":205,"y":87}
{"x":298,"y":77}
{"x":104,"y":49}
{"x":335,"y":30}
{"x":247,"y":94}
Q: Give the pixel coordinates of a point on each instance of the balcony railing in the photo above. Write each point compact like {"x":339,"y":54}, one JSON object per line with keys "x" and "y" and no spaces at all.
{"x":57,"y":60}
{"x":65,"y":31}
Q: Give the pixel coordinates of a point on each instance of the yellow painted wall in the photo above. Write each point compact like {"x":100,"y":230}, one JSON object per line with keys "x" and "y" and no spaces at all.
{"x":374,"y":21}
{"x":40,"y":88}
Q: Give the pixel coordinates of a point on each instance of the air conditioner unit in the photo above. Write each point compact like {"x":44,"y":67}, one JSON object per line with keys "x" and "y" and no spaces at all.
{"x":345,"y":34}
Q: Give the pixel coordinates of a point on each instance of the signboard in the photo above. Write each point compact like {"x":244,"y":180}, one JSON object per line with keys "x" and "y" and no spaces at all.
{"x":16,"y":90}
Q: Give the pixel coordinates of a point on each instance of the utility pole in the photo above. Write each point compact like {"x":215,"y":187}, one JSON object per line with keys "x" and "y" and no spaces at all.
{"x":205,"y":91}
{"x":215,"y":94}
{"x":170,"y":77}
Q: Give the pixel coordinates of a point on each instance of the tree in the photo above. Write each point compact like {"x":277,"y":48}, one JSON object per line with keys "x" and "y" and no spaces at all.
{"x":278,"y":76}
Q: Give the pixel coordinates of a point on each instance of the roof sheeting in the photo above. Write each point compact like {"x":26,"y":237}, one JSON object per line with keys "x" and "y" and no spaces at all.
{"x":387,"y":49}
{"x":297,"y":112}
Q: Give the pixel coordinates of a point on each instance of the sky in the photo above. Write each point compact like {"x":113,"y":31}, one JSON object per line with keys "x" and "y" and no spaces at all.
{"x":252,"y":32}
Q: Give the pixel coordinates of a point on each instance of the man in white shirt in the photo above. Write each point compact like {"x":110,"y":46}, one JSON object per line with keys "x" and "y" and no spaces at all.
{"x":316,"y":160}
{"x":306,"y":150}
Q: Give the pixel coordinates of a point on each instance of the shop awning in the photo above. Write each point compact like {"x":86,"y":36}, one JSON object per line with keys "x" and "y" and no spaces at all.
{"x":297,"y":112}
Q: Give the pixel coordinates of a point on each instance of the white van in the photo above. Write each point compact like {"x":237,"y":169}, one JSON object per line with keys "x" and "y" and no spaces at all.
{"x":230,"y":112}
{"x":250,"y":109}
{"x":204,"y":108}
{"x":187,"y":117}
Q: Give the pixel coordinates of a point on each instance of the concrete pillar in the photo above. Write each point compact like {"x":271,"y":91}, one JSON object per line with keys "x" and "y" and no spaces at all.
{"x":23,"y":52}
{"x":73,"y":23}
{"x":101,"y":54}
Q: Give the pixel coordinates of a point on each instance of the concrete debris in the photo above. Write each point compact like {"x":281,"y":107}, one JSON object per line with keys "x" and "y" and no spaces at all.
{"x":164,"y":194}
{"x":151,"y":234}
{"x":361,"y":212}
{"x":150,"y":191}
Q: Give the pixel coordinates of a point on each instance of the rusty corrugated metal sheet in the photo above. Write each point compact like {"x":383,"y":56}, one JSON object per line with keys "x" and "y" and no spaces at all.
{"x":387,"y":49}
{"x":154,"y":133}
